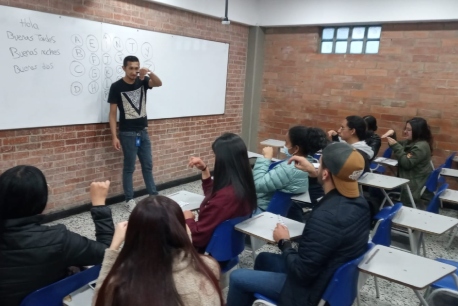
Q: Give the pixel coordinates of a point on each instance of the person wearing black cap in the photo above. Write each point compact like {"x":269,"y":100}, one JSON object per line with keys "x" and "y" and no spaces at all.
{"x":336,"y":233}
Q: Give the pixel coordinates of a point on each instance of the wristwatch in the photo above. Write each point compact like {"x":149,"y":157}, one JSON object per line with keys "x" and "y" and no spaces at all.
{"x":281,"y":242}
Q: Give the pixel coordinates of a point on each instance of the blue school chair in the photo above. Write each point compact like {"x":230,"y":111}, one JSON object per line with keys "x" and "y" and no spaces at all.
{"x":443,"y":297}
{"x":387,"y":153}
{"x":272,"y":165}
{"x":342,"y":288}
{"x":433,"y":206}
{"x":449,"y":160}
{"x":226,"y":244}
{"x":445,"y":283}
{"x":377,"y":168}
{"x":382,"y":229}
{"x":54,"y":294}
{"x":432,"y":181}
{"x":280,"y":203}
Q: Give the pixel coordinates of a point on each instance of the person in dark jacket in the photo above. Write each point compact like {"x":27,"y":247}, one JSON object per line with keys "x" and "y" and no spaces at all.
{"x":372,"y":139}
{"x":353,"y":132}
{"x":336,"y":233}
{"x":32,"y":255}
{"x":230,"y":194}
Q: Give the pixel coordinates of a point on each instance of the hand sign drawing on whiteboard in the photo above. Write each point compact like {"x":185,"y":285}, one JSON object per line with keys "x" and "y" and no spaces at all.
{"x":147,"y":51}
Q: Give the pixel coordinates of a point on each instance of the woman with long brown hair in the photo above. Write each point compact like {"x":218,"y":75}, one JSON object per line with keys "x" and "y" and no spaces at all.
{"x":158,"y":264}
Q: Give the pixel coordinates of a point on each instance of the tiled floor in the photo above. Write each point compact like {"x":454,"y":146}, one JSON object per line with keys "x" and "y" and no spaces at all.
{"x":390,"y":293}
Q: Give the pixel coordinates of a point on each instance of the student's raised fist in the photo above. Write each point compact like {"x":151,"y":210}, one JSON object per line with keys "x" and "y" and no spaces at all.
{"x":268,"y":152}
{"x":196,"y":162}
{"x":99,"y":192}
{"x":388,"y":134}
{"x":142,"y":73}
{"x":331,"y":133}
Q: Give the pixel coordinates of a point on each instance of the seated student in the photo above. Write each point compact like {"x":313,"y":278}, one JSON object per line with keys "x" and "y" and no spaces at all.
{"x":353,"y":132}
{"x":284,"y":177}
{"x":314,"y":140}
{"x":229,"y":195}
{"x":336,"y":233}
{"x":157,"y":264}
{"x":372,"y":139}
{"x":414,"y":157}
{"x":33,"y":256}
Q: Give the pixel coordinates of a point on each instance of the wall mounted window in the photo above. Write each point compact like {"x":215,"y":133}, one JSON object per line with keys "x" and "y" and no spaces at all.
{"x":351,"y":40}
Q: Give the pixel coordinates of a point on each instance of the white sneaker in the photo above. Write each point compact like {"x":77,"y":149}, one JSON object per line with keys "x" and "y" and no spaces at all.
{"x":130,"y":205}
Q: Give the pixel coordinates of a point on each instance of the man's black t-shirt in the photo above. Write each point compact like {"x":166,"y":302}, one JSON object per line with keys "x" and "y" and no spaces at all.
{"x":131,"y":101}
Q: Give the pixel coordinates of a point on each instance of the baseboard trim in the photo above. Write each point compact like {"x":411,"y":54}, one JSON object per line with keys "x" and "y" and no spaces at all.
{"x":53,"y":216}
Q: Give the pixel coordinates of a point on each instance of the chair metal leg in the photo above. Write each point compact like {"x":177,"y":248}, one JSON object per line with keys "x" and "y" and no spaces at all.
{"x":422,"y":300}
{"x":421,"y":243}
{"x":383,"y":203}
{"x":410,"y":196}
{"x":413,"y":242}
{"x":256,"y":244}
{"x":387,"y":197}
{"x":377,"y":292}
{"x":358,"y":300}
{"x":452,"y":236}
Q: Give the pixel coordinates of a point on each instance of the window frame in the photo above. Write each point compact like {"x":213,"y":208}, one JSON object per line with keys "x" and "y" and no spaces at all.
{"x":349,"y":39}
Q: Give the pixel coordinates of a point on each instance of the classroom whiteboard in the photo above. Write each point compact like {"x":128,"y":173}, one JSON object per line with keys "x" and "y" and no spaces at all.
{"x":58,"y":70}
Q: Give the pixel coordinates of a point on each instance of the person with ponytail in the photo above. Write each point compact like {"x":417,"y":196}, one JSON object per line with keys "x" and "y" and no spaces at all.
{"x":157,"y":265}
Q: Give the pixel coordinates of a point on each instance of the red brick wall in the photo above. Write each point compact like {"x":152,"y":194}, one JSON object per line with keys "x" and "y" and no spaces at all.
{"x":414,"y":74}
{"x":73,"y":156}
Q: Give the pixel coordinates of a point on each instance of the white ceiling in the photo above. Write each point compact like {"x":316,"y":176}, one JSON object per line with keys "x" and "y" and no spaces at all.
{"x":321,"y":12}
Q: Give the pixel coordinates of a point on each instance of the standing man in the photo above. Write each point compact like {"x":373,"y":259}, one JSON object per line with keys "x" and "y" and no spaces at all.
{"x":129,"y":95}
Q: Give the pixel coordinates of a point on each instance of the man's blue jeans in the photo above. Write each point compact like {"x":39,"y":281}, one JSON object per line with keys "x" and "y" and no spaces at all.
{"x":130,"y":151}
{"x":267,"y":278}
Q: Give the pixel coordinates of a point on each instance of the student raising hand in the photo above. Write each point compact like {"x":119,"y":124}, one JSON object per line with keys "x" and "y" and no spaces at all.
{"x":196,"y":162}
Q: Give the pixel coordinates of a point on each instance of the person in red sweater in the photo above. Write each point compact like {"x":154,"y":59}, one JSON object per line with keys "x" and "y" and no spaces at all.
{"x":229,"y":195}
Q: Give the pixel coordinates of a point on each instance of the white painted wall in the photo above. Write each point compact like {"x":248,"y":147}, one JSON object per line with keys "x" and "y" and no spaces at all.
{"x":321,"y":12}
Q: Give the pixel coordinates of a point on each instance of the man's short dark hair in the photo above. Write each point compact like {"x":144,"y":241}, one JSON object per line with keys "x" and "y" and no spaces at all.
{"x":357,"y":123}
{"x":129,"y":58}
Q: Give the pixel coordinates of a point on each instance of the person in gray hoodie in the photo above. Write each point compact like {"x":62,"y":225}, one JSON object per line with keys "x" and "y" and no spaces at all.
{"x":353,"y":132}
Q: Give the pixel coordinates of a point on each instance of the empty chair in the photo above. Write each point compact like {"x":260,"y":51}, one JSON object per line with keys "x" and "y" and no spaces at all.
{"x":443,"y":297}
{"x":447,"y":282}
{"x":433,"y":181}
{"x":449,"y":161}
{"x":53,"y":294}
{"x":433,"y":205}
{"x":382,"y":229}
{"x":377,"y":168}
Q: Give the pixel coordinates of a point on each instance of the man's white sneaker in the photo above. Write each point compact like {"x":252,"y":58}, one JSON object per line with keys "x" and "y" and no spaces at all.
{"x":130,"y":205}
